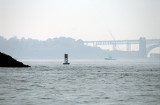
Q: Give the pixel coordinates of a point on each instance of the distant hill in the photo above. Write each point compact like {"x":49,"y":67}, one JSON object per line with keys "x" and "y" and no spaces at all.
{"x":50,"y":49}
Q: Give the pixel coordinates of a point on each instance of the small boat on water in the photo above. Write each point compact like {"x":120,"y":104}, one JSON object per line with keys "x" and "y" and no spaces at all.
{"x":109,"y":58}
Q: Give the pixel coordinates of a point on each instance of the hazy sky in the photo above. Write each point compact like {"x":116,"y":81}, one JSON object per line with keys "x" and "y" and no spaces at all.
{"x":80,"y":19}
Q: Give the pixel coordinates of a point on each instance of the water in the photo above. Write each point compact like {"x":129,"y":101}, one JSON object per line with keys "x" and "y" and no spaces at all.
{"x":82,"y":83}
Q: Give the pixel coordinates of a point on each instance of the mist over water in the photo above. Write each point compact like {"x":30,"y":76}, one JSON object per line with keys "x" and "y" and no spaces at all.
{"x":100,"y":82}
{"x":84,"y":29}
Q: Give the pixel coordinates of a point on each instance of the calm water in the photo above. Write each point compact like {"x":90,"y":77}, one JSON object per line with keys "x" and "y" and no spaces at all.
{"x":82,"y":83}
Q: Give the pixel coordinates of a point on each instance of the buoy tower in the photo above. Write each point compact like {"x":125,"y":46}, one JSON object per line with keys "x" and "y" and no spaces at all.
{"x":66,"y":59}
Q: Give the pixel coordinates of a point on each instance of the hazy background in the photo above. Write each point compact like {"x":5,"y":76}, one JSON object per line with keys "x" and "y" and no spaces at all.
{"x":80,"y":19}
{"x":55,"y":49}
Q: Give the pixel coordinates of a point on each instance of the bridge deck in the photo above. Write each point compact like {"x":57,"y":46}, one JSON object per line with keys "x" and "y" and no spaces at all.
{"x":112,"y":42}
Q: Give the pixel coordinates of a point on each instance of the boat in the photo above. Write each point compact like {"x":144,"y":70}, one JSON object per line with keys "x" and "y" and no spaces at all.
{"x":109,"y":58}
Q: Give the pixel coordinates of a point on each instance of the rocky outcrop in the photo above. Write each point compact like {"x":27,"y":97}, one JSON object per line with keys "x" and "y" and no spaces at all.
{"x":8,"y":61}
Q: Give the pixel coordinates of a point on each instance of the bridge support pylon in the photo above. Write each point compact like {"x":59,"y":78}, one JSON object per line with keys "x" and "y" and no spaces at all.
{"x":142,"y":47}
{"x":128,"y":47}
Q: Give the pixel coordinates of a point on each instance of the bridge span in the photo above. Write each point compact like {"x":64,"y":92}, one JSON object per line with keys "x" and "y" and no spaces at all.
{"x":145,"y":45}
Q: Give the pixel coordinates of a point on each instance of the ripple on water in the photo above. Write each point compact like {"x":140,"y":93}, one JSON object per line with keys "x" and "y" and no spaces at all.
{"x":91,"y":84}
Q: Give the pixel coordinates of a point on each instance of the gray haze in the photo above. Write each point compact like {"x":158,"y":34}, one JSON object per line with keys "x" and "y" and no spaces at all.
{"x":80,"y":19}
{"x":50,"y":49}
{"x":57,"y":47}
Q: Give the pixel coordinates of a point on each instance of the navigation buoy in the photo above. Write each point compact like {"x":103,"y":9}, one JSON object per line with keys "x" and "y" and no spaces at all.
{"x":66,"y":59}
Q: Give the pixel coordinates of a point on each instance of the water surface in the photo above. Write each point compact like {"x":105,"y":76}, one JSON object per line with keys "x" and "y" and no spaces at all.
{"x":119,"y":82}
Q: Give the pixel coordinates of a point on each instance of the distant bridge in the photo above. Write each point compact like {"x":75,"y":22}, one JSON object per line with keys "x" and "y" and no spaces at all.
{"x":145,"y":45}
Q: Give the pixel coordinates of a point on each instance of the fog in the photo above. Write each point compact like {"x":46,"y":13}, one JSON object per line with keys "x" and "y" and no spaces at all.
{"x":55,"y":49}
{"x":80,"y":19}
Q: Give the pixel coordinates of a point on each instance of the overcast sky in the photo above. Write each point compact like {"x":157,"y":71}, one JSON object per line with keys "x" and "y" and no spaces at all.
{"x":80,"y":19}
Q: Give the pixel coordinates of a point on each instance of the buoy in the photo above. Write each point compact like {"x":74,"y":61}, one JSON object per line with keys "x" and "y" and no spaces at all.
{"x":66,"y":59}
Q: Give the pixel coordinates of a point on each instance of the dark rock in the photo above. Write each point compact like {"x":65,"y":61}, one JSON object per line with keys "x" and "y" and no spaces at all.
{"x":8,"y":61}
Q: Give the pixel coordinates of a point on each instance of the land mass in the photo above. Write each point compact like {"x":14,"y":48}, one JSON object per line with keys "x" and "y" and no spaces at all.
{"x":8,"y":61}
{"x":55,"y":48}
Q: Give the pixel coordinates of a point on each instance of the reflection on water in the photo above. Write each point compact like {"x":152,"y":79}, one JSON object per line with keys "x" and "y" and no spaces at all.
{"x":82,"y":83}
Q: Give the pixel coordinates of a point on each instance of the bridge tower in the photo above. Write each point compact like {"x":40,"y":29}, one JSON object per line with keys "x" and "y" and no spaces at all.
{"x":142,"y":47}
